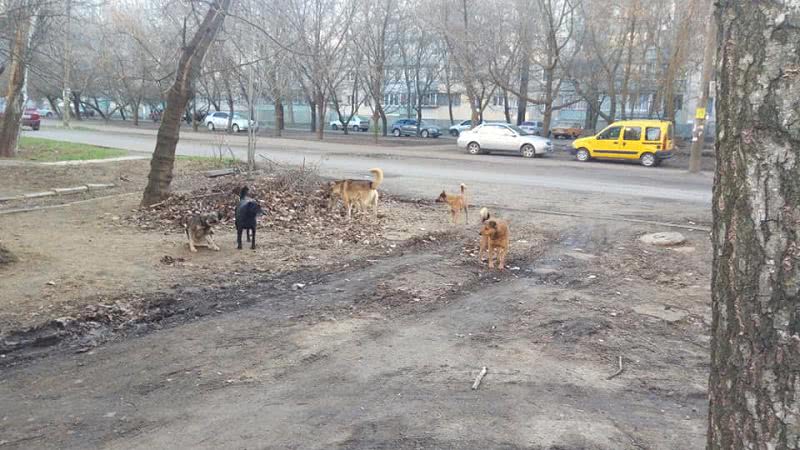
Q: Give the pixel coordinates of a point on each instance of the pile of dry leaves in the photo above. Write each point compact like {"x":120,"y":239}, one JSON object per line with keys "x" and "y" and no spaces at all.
{"x":294,"y":200}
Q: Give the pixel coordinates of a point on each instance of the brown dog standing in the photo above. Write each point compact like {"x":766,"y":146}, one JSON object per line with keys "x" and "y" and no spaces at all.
{"x":362,"y":193}
{"x":494,"y":238}
{"x":457,"y":203}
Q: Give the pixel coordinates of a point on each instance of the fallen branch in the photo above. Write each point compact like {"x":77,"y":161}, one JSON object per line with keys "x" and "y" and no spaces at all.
{"x":479,"y":378}
{"x":618,"y":372}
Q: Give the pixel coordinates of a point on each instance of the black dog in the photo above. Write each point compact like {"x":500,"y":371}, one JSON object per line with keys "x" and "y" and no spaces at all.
{"x":247,"y":212}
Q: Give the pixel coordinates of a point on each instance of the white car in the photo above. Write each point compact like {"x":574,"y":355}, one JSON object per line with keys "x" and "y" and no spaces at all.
{"x":498,"y":137}
{"x":355,"y":124}
{"x":459,"y":128}
{"x":219,"y":121}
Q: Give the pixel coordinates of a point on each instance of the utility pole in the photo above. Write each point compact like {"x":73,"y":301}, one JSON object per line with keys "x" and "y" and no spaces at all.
{"x":65,"y":94}
{"x":709,"y":54}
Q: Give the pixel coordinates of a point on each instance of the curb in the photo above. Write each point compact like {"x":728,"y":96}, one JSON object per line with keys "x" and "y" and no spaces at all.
{"x":60,"y":191}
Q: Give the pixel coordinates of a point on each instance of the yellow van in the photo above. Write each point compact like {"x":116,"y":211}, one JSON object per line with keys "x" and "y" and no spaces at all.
{"x":649,"y":141}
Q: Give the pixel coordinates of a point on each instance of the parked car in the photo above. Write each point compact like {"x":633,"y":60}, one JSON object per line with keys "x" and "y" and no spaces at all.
{"x":532,"y":127}
{"x":46,"y":112}
{"x":219,"y":120}
{"x":408,"y":127}
{"x":456,"y":129}
{"x":31,"y":118}
{"x":649,"y":141}
{"x":356,"y":123}
{"x":498,"y":137}
{"x":566,"y":132}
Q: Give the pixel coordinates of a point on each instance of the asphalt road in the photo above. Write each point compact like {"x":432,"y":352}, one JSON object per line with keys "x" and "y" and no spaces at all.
{"x":442,"y":164}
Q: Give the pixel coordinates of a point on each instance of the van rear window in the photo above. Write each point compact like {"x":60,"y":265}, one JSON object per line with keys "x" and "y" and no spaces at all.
{"x":652,"y":134}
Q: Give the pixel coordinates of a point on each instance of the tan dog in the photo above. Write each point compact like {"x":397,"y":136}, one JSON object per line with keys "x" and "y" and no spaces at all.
{"x":199,"y":231}
{"x":457,"y":203}
{"x":362,"y":193}
{"x":494,"y":238}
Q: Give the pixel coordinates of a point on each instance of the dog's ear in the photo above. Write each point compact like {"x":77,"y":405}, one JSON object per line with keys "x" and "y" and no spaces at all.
{"x":492,"y":224}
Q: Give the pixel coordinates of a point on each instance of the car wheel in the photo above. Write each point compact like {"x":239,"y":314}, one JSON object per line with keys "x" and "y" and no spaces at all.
{"x":334,"y":127}
{"x":648,"y":159}
{"x":583,"y":155}
{"x":355,"y":128}
{"x":235,"y":128}
{"x":528,"y":151}
{"x":396,"y":132}
{"x":424,"y":133}
{"x":473,"y":148}
{"x":35,"y":127}
{"x":49,"y":115}
{"x":210,"y":126}
{"x":454,"y":133}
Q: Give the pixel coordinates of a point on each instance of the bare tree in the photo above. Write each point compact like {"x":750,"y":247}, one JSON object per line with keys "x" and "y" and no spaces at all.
{"x":755,"y":349}
{"x":377,"y":40}
{"x":189,"y":66}
{"x":24,"y":20}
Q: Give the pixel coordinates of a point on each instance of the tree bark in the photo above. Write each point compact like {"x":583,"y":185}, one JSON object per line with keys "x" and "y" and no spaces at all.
{"x":188,"y":69}
{"x":9,"y":124}
{"x":755,"y":346}
{"x":76,"y":101}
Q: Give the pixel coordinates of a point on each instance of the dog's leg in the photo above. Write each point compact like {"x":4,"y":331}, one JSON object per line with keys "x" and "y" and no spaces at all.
{"x":375,"y":205}
{"x":247,"y":234}
{"x":349,"y":209}
{"x":239,"y":238}
{"x":253,"y":242}
{"x":482,"y":249}
{"x":211,"y":244}
{"x":501,"y":255}
{"x":491,"y":255}
{"x":191,"y":245}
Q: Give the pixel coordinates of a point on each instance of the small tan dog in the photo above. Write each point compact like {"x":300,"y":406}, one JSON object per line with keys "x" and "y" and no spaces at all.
{"x":494,"y":238}
{"x":457,"y":203}
{"x":199,"y":231}
{"x":362,"y":193}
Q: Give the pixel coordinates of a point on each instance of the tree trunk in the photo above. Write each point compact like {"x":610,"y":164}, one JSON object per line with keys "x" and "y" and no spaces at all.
{"x":189,"y":66}
{"x":290,"y":110}
{"x":320,"y":101}
{"x":755,"y":345}
{"x":76,"y":102}
{"x":279,"y":120}
{"x":313,"y":108}
{"x":9,"y":124}
{"x":522,"y":99}
{"x":506,"y":109}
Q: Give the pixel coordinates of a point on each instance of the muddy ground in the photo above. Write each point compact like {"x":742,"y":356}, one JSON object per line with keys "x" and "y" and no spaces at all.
{"x":115,"y":336}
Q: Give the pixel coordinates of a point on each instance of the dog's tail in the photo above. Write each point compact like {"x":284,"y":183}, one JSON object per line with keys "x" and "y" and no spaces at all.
{"x":484,"y":214}
{"x":186,"y":229}
{"x":378,"y":174}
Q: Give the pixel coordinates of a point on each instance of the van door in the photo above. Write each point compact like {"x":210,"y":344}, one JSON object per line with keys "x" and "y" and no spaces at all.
{"x":632,"y":146}
{"x":608,"y":143}
{"x":652,"y":139}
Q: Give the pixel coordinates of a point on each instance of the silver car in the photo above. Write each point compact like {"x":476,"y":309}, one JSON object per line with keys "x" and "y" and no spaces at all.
{"x":497,"y":137}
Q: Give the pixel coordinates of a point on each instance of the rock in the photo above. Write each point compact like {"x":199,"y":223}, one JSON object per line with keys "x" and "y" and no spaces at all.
{"x":298,"y":286}
{"x":683,"y":249}
{"x":663,"y":239}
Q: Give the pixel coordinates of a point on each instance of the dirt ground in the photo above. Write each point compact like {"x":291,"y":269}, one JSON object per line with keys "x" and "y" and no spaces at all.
{"x":367,"y":341}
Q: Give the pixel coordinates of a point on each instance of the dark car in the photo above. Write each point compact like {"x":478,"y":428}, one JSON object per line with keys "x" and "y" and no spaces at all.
{"x":408,"y":127}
